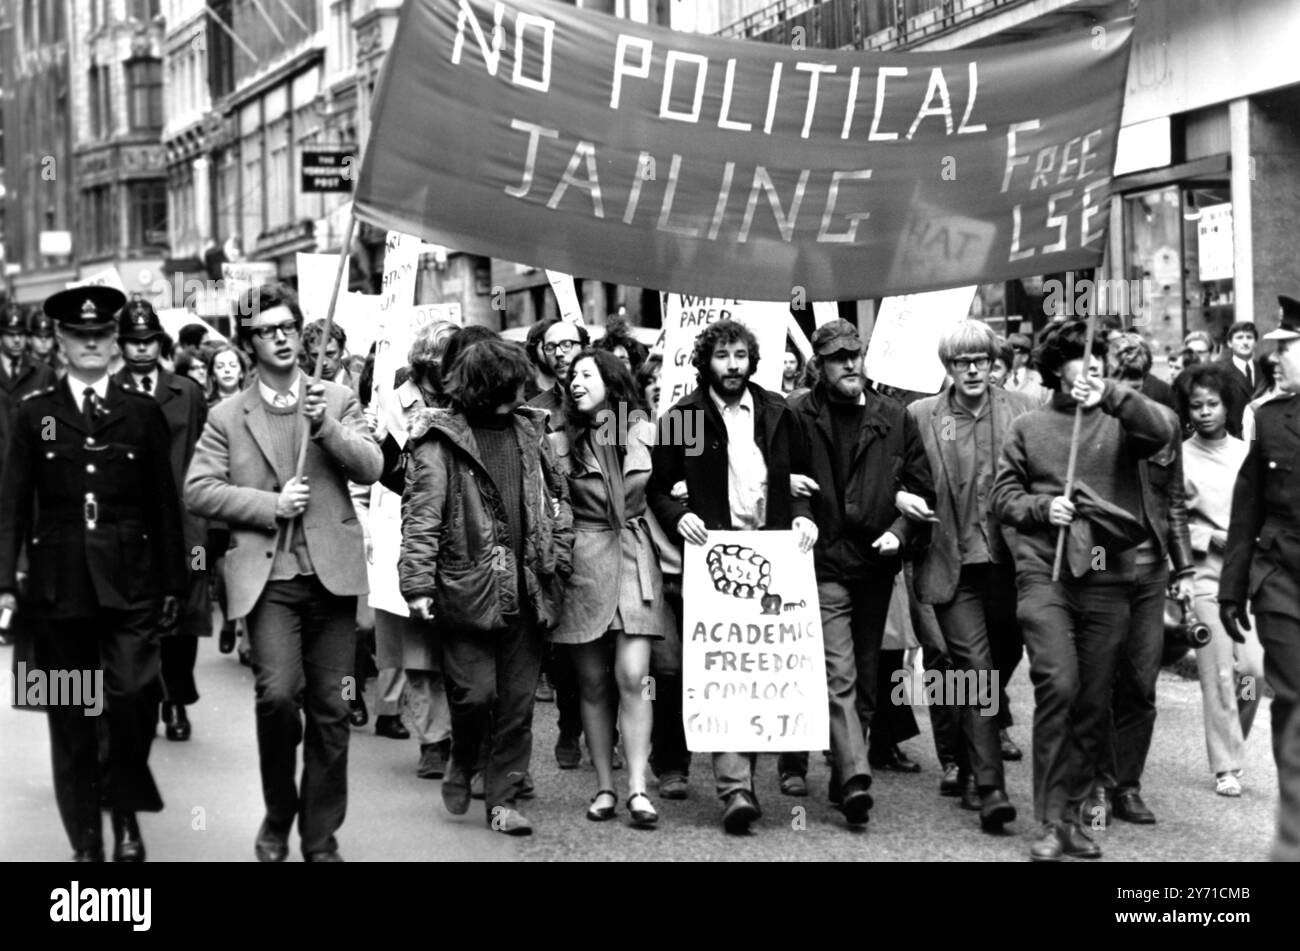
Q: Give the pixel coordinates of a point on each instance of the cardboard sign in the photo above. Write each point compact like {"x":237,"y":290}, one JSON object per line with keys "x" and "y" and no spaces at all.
{"x":566,"y":296}
{"x":753,"y":662}
{"x":904,"y":347}
{"x":109,"y":277}
{"x":685,"y":316}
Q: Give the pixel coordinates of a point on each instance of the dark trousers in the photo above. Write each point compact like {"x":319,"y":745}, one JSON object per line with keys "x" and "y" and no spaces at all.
{"x":563,"y":675}
{"x":1127,"y":730}
{"x":886,"y":724}
{"x":668,"y":752}
{"x":180,"y":648}
{"x":945,"y":721}
{"x":124,"y":645}
{"x":1072,"y":631}
{"x":1008,"y":645}
{"x":491,"y":679}
{"x":304,"y":647}
{"x":985,"y":601}
{"x":1280,"y":637}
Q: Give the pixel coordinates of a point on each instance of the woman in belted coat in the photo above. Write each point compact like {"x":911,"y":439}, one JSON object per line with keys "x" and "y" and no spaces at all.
{"x":613,"y":602}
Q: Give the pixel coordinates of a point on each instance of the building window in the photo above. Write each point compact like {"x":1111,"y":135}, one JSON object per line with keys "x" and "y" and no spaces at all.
{"x":148,"y":214}
{"x":144,"y":9}
{"x":144,"y":89}
{"x":97,"y":221}
{"x":93,"y":92}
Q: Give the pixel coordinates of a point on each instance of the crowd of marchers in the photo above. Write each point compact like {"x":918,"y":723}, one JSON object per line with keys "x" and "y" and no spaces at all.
{"x":533,"y":502}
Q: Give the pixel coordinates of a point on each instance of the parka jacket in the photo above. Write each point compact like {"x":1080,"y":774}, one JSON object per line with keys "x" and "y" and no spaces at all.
{"x":455,"y":537}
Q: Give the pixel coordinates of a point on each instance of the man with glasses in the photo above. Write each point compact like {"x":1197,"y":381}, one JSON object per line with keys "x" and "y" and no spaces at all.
{"x":561,"y":342}
{"x":968,"y":572}
{"x":88,"y":488}
{"x":296,"y":564}
{"x":19,"y":373}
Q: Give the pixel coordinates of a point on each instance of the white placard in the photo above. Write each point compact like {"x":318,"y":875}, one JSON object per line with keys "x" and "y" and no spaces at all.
{"x":1214,"y":243}
{"x":108,"y":277}
{"x":753,"y":661}
{"x":356,"y":313}
{"x":401,"y":260}
{"x":685,"y":316}
{"x":824,"y":311}
{"x":904,"y":347}
{"x":174,"y":318}
{"x":566,"y":296}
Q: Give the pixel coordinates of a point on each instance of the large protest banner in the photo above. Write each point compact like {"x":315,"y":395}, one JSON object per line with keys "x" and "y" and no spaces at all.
{"x":534,"y":131}
{"x":753,"y":665}
{"x":685,"y":316}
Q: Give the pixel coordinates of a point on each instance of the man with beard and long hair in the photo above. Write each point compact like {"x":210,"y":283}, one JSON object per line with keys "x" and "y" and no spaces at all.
{"x":737,"y":477}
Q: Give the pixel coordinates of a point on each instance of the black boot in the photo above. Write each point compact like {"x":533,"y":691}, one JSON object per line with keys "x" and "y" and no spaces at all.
{"x":127,"y":844}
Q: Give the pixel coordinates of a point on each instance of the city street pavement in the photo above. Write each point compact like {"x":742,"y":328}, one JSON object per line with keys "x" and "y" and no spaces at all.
{"x":212,"y":792}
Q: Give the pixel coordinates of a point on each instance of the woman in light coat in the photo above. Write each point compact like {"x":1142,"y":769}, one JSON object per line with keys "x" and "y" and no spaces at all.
{"x":613,"y":602}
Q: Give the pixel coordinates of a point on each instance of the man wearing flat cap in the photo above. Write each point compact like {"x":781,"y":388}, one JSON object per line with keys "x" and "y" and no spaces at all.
{"x":142,"y":339}
{"x":19,"y":374}
{"x":88,"y":488}
{"x":1262,"y":565}
{"x":862,"y":449}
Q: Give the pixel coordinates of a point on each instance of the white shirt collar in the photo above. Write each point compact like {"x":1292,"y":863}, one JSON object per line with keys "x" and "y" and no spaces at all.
{"x":140,"y":378}
{"x":1241,"y":364}
{"x":746,"y":402}
{"x":269,"y":393}
{"x":78,"y":388}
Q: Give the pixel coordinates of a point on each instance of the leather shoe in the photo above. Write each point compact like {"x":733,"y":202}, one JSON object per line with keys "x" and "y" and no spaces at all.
{"x":433,"y":760}
{"x":1095,"y":811}
{"x":510,"y":821}
{"x":894,"y":760}
{"x":996,"y":811}
{"x":1130,"y":807}
{"x":359,"y":716}
{"x":950,"y":785}
{"x":455,"y":790}
{"x":674,"y":786}
{"x":127,"y":844}
{"x":1077,"y":844}
{"x":970,"y":794}
{"x":91,"y":848}
{"x":327,"y":855}
{"x":568,"y":752}
{"x":226,"y":642}
{"x":391,"y":727}
{"x":740,"y":812}
{"x":1048,"y":847}
{"x":792,"y":784}
{"x":856,"y":802}
{"x":178,"y":724}
{"x":1010,"y":752}
{"x":271,"y":845}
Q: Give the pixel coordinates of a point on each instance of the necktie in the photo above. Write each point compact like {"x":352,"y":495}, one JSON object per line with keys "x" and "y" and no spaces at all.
{"x":282,"y":400}
{"x":146,"y":384}
{"x":1250,"y":375}
{"x":88,"y":406}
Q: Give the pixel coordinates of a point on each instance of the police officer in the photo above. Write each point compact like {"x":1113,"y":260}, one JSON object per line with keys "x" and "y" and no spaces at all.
{"x":19,"y":375}
{"x":41,"y":345}
{"x":142,"y":340}
{"x":88,"y":487}
{"x":1262,"y":563}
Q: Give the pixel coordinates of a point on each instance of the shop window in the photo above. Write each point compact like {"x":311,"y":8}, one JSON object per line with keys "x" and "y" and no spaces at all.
{"x":148,"y":214}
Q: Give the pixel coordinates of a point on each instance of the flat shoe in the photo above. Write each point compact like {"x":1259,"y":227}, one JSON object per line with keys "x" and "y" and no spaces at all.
{"x":602,"y":813}
{"x":642,"y":818}
{"x":1226,"y":784}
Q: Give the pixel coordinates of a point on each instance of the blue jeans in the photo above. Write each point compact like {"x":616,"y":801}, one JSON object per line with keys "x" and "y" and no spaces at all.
{"x":304,"y":651}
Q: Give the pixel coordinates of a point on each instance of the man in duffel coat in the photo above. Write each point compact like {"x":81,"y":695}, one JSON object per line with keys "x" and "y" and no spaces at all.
{"x":1262,"y":563}
{"x":88,"y":488}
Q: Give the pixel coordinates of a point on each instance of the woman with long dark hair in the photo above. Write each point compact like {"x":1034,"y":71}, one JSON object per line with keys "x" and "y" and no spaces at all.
{"x":613,"y":602}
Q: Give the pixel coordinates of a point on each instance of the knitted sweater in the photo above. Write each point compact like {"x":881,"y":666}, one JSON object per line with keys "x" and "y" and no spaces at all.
{"x":1124,"y":428}
{"x":1210,"y":473}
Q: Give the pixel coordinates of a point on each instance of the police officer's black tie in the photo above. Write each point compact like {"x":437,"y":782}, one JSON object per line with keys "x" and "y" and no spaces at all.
{"x":146,"y":384}
{"x":88,"y":406}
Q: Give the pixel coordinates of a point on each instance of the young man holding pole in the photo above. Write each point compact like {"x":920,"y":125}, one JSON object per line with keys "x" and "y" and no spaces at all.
{"x":274,"y":463}
{"x":1079,"y":495}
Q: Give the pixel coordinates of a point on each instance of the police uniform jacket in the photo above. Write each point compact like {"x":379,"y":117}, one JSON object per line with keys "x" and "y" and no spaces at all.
{"x":1262,"y":561}
{"x":29,"y":376}
{"x":186,"y":409}
{"x":96,"y":504}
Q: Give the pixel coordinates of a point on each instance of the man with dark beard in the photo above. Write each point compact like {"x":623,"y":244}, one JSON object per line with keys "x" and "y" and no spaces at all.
{"x":737,"y":477}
